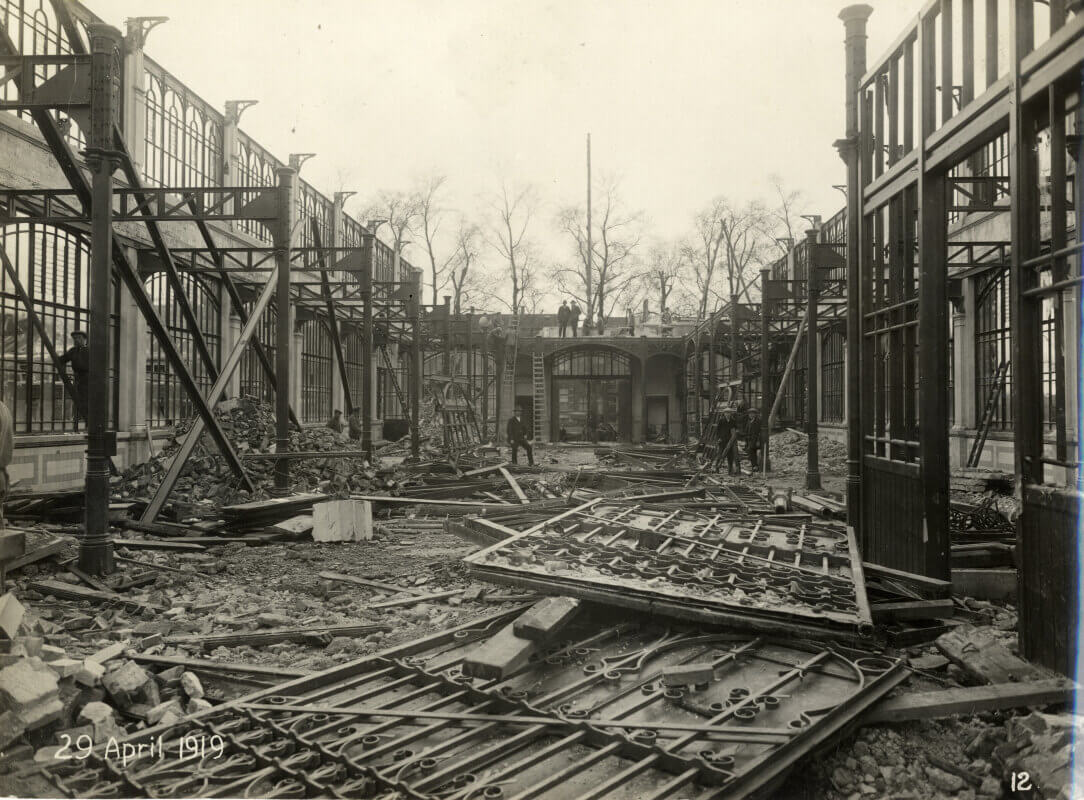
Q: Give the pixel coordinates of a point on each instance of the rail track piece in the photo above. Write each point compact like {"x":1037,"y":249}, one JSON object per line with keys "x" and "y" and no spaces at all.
{"x":589,"y":717}
{"x":755,"y":573}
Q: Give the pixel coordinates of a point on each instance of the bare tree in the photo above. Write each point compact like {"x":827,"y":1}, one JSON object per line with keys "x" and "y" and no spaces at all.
{"x":728,"y":240}
{"x":616,"y":234}
{"x":398,"y":209}
{"x":783,"y":217}
{"x":666,"y":263}
{"x":427,"y":225}
{"x":463,"y":272}
{"x":511,"y":212}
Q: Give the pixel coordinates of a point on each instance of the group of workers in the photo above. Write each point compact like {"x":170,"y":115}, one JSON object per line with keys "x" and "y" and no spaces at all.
{"x":737,"y":423}
{"x":568,"y":316}
{"x":352,"y":425}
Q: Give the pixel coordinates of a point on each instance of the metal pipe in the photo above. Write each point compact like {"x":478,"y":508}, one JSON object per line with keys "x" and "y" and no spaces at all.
{"x":812,"y":470}
{"x":765,"y":405}
{"x":96,"y":546}
{"x":370,"y":343}
{"x":415,"y":383}
{"x":854,"y":20}
{"x":283,"y":233}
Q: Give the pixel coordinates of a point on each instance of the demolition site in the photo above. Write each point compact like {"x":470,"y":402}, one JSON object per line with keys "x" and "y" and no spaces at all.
{"x":275,"y":526}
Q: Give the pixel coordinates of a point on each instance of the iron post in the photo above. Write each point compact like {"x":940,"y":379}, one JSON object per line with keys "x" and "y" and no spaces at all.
{"x":283,"y":231}
{"x":106,"y":44}
{"x":367,"y":245}
{"x":812,"y":471}
{"x":765,"y":394}
{"x":854,"y":20}
{"x":415,"y":383}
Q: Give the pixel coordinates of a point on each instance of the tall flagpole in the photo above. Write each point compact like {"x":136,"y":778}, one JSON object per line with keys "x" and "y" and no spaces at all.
{"x":590,"y":276}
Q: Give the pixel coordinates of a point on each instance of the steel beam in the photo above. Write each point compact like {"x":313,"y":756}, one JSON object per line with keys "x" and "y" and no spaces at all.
{"x":283,"y":237}
{"x":369,"y":344}
{"x":195,"y":433}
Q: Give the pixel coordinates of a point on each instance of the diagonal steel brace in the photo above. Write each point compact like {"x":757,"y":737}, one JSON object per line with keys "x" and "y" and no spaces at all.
{"x":191,"y":439}
{"x":333,"y":322}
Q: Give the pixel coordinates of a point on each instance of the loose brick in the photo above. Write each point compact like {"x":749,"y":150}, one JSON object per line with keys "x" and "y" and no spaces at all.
{"x":11,"y":616}
{"x":688,"y":675}
{"x":191,"y":685}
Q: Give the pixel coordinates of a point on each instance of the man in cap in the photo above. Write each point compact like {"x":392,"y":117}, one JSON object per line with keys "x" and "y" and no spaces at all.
{"x":517,"y":436}
{"x":78,"y":355}
{"x":752,"y":439}
{"x":563,"y":313}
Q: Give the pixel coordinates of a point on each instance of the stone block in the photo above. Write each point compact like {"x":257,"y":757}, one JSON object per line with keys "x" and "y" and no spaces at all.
{"x":90,"y":673}
{"x":688,"y":675}
{"x":99,"y":716}
{"x":50,"y":653}
{"x":65,"y":667}
{"x":155,"y":715}
{"x":191,"y":686}
{"x":11,"y":616}
{"x":500,"y":656}
{"x":342,"y":521}
{"x":109,"y":653}
{"x":130,"y":683}
{"x":30,"y":692}
{"x":546,"y":618}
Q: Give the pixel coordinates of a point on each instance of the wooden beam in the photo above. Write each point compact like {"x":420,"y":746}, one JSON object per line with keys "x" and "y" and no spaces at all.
{"x":971,"y":700}
{"x":515,"y":486}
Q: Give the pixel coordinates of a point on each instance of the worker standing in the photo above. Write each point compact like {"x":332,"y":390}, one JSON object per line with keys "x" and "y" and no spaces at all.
{"x":78,"y":355}
{"x":752,"y":439}
{"x":728,"y":440}
{"x":336,"y":421}
{"x":563,"y":314}
{"x":574,"y":317}
{"x":517,"y":437}
{"x":353,"y":421}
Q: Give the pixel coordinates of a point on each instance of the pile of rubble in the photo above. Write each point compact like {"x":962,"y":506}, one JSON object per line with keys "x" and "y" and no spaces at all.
{"x":250,"y":426}
{"x":788,"y":453}
{"x":52,"y":692}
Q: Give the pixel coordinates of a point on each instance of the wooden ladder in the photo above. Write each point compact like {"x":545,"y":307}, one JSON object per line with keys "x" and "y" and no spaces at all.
{"x":508,"y":381}
{"x":538,"y":374}
{"x":993,"y":397}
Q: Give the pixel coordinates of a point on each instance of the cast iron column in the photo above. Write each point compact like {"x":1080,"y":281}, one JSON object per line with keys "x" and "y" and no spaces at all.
{"x":765,"y":393}
{"x":283,"y":330}
{"x":367,"y":244}
{"x":854,"y":21}
{"x":485,"y":385}
{"x":812,"y":470}
{"x":96,"y":546}
{"x":416,"y":359}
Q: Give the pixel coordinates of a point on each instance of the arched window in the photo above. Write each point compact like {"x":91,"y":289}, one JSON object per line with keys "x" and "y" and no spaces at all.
{"x":315,"y":371}
{"x":992,"y":345}
{"x":167,"y":401}
{"x":591,"y":364}
{"x":833,"y":357}
{"x":51,"y":266}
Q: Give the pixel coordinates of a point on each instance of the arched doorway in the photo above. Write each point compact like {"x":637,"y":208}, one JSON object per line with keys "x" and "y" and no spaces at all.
{"x":592,"y":393}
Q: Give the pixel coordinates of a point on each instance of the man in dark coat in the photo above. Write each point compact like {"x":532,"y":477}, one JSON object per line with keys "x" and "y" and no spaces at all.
{"x":727,"y":441}
{"x":78,"y":355}
{"x":562,"y":318}
{"x":353,"y":422}
{"x":752,"y":438}
{"x":517,"y":437}
{"x":336,"y":421}
{"x":574,"y":317}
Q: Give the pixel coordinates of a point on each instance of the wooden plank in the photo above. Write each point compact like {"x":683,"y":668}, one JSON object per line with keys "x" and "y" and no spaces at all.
{"x":423,"y":501}
{"x":37,"y":554}
{"x":971,"y":700}
{"x":500,"y":656}
{"x":985,"y":584}
{"x":484,"y":470}
{"x":421,"y":598}
{"x":158,"y":544}
{"x":386,"y":587}
{"x":219,"y":666}
{"x":546,"y":619}
{"x":515,"y":486}
{"x":72,"y":592}
{"x":90,"y":580}
{"x":912,"y":609}
{"x":982,"y":657}
{"x":930,"y":587}
{"x":274,"y":636}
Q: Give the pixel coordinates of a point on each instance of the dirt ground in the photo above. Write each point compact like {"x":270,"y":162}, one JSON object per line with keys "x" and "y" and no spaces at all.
{"x":237,"y":588}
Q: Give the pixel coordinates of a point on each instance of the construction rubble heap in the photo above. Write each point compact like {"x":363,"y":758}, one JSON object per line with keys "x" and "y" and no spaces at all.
{"x":466,"y":627}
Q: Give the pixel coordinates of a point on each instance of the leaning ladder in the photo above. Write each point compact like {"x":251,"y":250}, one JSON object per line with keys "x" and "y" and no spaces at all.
{"x":997,"y":389}
{"x":538,"y":375}
{"x":508,"y":381}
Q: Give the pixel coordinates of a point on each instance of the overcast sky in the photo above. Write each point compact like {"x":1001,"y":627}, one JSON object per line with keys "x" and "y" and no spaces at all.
{"x":685,"y":99}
